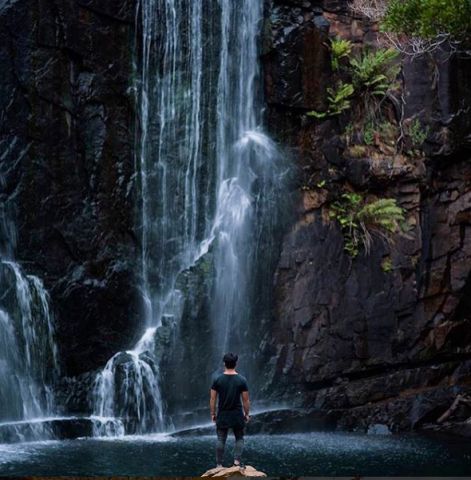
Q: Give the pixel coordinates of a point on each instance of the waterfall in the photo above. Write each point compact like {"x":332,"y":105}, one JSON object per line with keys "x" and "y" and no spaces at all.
{"x":28,"y":354}
{"x":209,"y":181}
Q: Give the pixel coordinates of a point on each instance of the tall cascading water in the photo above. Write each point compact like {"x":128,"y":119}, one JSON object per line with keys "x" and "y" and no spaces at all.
{"x":28,"y":353}
{"x":209,"y":182}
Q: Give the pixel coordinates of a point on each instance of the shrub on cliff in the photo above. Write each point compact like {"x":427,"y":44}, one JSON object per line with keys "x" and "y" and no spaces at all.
{"x":416,"y":27}
{"x":429,"y":19}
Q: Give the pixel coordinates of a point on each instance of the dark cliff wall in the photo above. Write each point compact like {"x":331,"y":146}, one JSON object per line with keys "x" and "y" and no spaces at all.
{"x":374,"y":345}
{"x":66,"y":130}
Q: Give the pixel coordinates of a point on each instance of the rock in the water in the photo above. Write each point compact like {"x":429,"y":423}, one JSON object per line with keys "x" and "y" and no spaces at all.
{"x":248,"y":471}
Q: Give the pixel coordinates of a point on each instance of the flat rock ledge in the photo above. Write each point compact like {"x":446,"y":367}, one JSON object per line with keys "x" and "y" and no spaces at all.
{"x":248,"y":471}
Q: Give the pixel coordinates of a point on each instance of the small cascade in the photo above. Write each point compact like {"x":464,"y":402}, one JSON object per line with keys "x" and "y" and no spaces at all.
{"x":107,"y":427}
{"x":28,"y":354}
{"x":128,"y":389}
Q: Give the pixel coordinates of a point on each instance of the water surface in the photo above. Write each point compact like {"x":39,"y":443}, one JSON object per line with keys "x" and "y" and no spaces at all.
{"x":329,"y":454}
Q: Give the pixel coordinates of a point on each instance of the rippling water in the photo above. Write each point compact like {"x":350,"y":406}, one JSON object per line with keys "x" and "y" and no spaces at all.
{"x":332,"y":454}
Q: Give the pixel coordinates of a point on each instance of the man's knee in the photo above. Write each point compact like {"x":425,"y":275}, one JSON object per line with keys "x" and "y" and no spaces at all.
{"x":222,"y":434}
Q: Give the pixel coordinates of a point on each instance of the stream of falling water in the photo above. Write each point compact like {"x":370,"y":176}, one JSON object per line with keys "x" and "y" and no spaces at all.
{"x":209,"y":179}
{"x":28,"y":353}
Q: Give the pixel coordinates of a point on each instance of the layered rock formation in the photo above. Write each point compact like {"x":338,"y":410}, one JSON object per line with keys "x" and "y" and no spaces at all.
{"x":373,"y":344}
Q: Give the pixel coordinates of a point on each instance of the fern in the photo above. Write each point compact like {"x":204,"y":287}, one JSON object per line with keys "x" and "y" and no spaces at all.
{"x":369,"y":133}
{"x":383,"y":214}
{"x":374,"y":71}
{"x":360,"y":220}
{"x":338,"y":101}
{"x":340,"y":49}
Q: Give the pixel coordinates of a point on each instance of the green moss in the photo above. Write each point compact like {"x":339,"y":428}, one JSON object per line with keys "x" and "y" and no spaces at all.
{"x":386,"y":265}
{"x":357,"y":151}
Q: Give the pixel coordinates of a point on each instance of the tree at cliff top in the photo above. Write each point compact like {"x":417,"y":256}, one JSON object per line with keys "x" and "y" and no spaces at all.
{"x":420,"y":26}
{"x":429,"y":19}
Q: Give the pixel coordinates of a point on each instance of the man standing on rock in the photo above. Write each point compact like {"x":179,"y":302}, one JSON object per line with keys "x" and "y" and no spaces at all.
{"x":232,"y":413}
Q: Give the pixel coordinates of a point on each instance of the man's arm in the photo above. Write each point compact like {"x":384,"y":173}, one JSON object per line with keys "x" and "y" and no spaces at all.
{"x":212,"y":404}
{"x":246,"y":405}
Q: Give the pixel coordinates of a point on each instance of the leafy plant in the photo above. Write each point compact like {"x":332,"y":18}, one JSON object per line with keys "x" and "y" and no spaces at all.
{"x":360,"y":220}
{"x":369,"y":133}
{"x":371,"y":73}
{"x":374,"y":71}
{"x":340,"y":49}
{"x":417,"y":133}
{"x":339,"y":100}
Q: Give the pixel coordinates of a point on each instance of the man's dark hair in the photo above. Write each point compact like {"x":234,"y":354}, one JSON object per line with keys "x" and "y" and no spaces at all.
{"x":230,"y":360}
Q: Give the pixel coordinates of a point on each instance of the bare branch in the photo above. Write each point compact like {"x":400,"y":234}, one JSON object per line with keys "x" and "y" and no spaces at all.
{"x":415,"y":47}
{"x":374,"y":10}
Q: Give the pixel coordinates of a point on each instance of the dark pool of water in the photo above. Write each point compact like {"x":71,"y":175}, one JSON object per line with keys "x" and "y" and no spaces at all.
{"x":329,"y":454}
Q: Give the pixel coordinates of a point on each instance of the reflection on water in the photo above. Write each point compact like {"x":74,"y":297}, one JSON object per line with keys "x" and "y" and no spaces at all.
{"x":332,"y":454}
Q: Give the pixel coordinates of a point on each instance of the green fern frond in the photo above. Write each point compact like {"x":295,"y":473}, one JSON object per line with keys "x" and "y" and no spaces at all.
{"x":374,"y":67}
{"x":340,"y":49}
{"x":383,"y":213}
{"x":360,"y":220}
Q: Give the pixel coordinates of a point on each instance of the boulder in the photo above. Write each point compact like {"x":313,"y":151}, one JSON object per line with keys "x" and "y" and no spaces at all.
{"x":248,"y":471}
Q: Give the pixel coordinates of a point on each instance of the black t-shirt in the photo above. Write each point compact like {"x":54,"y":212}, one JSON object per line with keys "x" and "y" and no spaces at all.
{"x":229,"y":389}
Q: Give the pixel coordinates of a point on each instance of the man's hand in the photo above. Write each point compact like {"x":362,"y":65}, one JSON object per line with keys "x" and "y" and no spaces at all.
{"x":246,"y":405}
{"x":212,"y":404}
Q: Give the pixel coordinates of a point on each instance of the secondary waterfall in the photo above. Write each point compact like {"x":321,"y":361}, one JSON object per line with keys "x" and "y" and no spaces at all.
{"x":209,"y":182}
{"x":28,"y":353}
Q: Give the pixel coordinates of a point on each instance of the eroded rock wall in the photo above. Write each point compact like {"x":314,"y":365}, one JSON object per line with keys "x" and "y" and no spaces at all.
{"x":67,"y":161}
{"x":374,"y":344}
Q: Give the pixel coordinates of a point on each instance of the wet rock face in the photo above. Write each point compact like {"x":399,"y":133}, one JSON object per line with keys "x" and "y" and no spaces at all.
{"x":67,"y":141}
{"x":296,"y":56}
{"x":184,"y":341}
{"x":382,"y":338}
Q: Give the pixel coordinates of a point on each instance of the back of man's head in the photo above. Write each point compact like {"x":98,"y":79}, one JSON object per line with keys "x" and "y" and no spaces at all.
{"x":230,"y":360}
